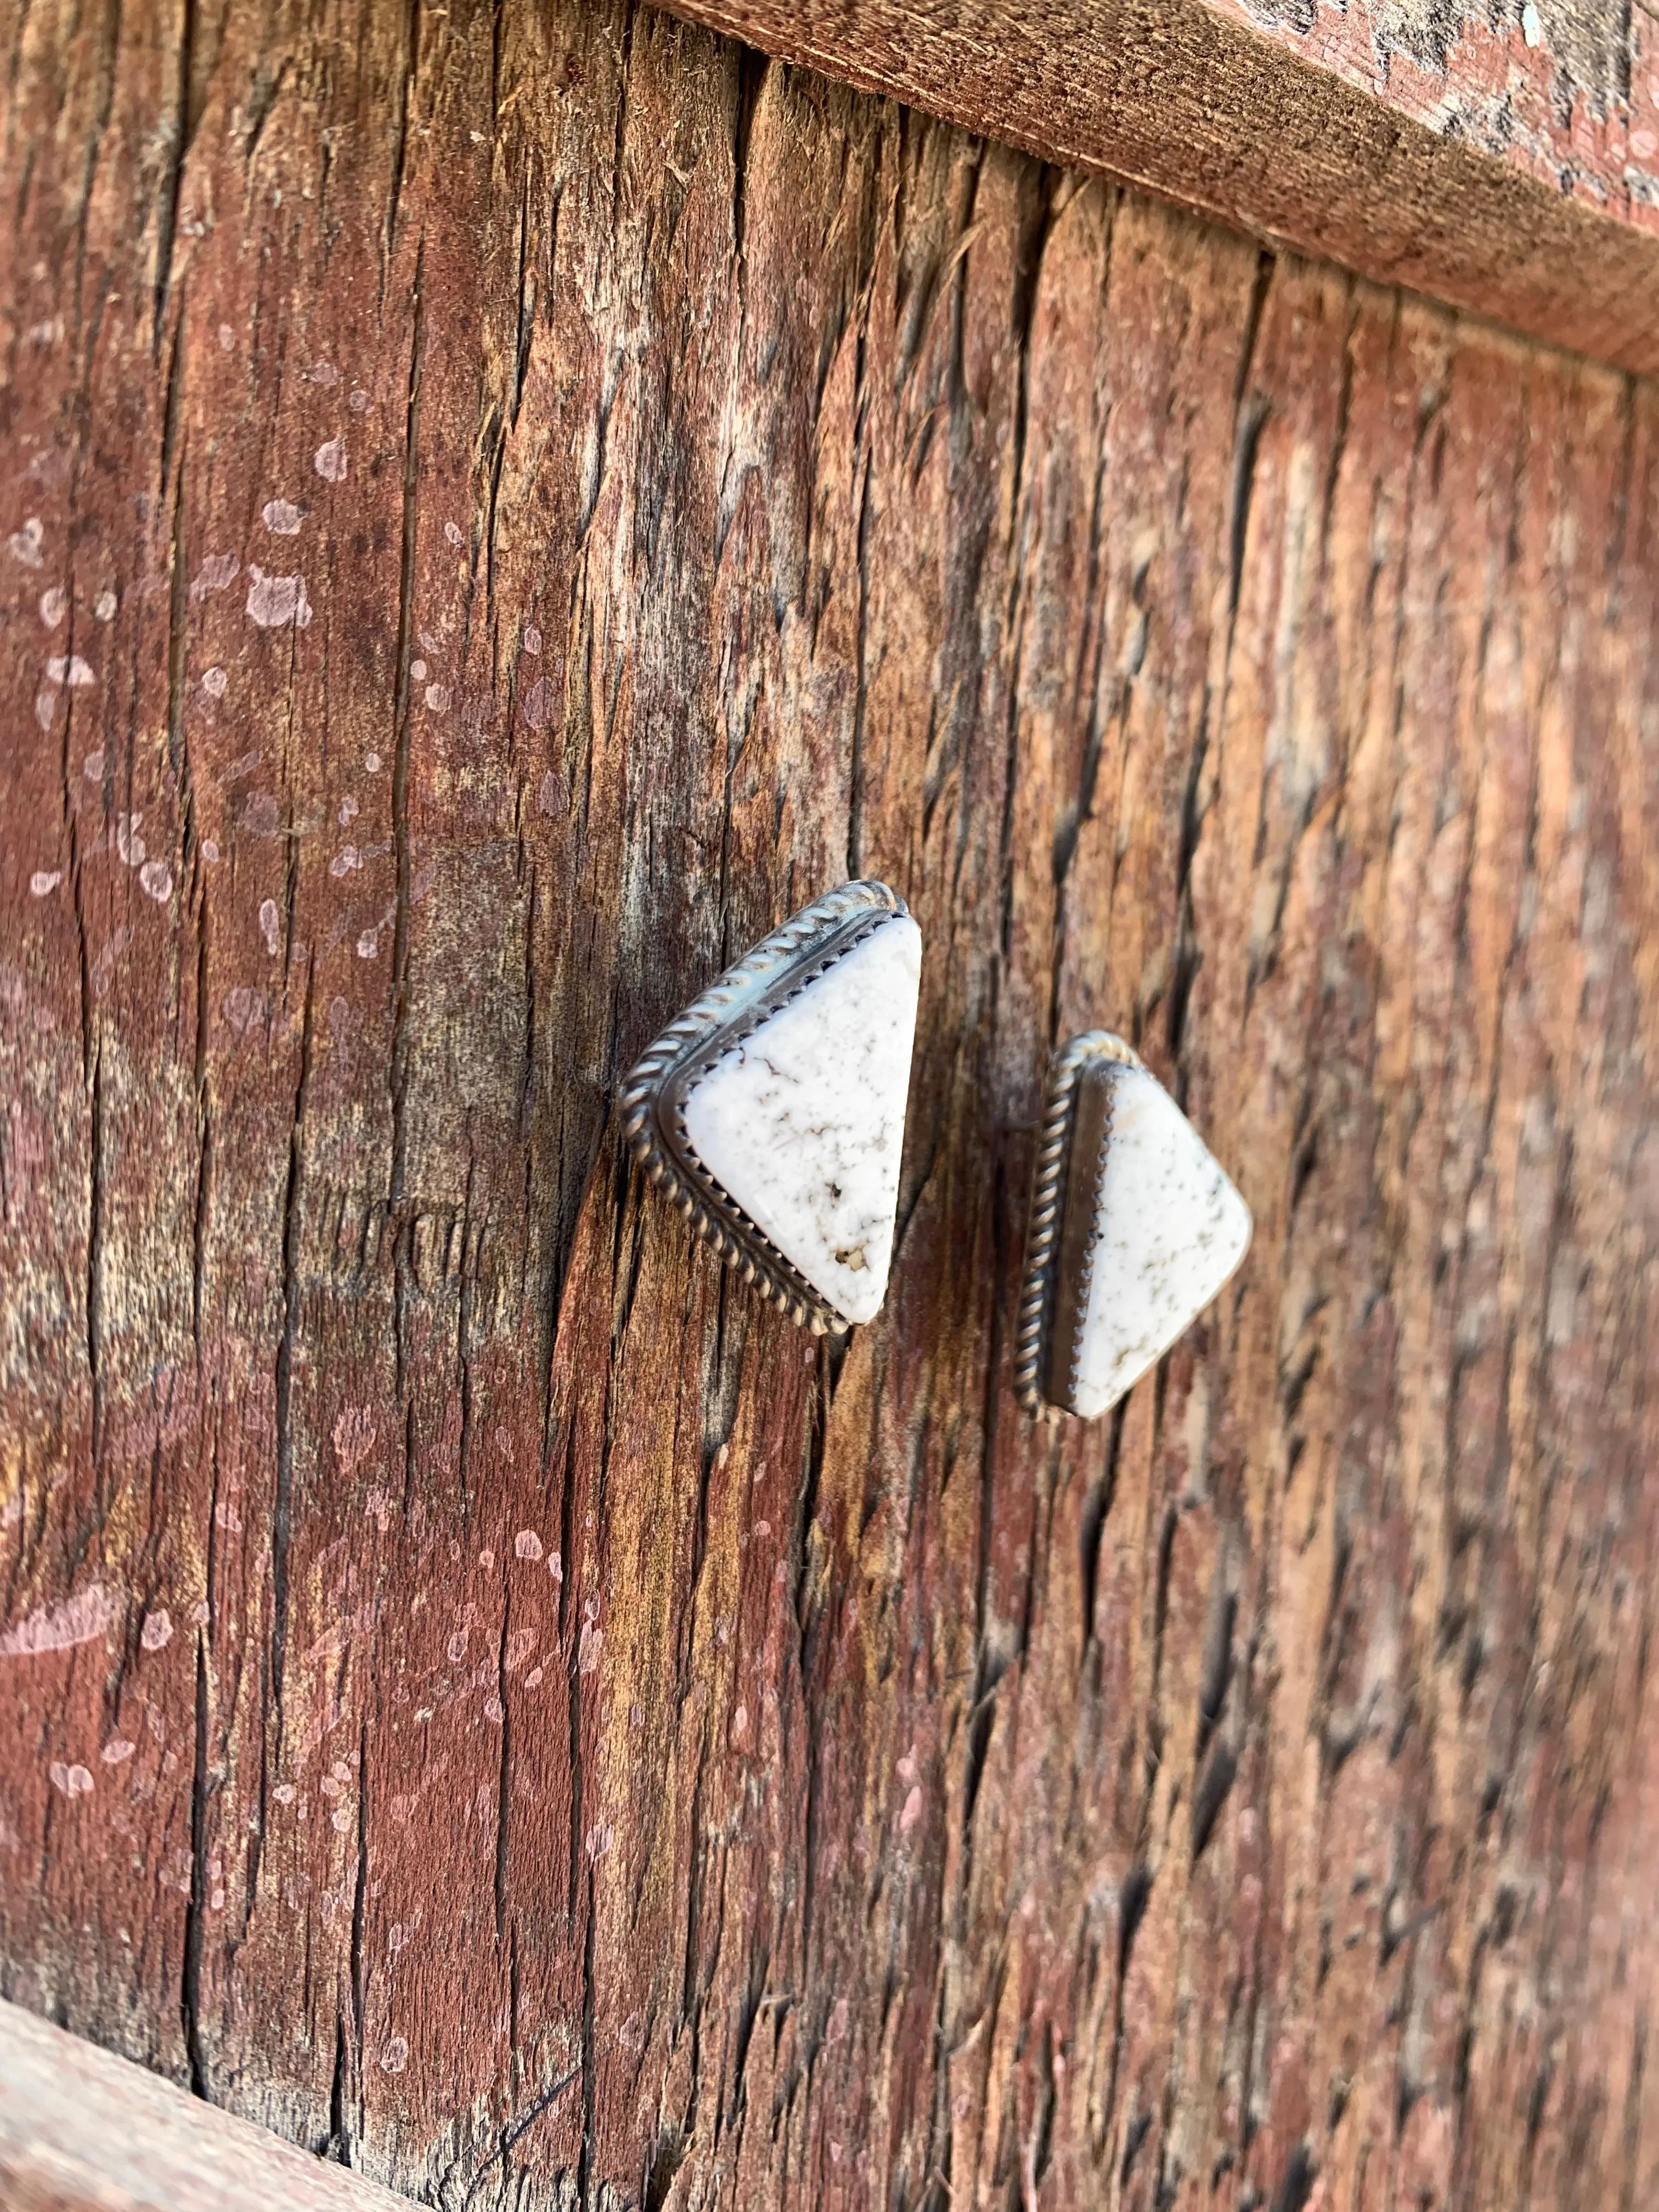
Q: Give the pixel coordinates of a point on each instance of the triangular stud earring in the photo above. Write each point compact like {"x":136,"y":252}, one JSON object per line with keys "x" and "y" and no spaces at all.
{"x":1133,"y":1230}
{"x":772,"y":1109}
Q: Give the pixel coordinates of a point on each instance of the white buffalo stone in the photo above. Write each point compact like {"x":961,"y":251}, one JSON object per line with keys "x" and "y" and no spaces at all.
{"x":1170,"y":1228}
{"x":803,"y":1121}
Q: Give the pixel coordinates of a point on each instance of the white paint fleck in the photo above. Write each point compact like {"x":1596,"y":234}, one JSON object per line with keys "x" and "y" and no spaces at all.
{"x":1532,"y":29}
{"x":359,"y":401}
{"x":282,"y":517}
{"x":456,"y":1648}
{"x":372,"y":762}
{"x":270,"y":925}
{"x":93,"y":766}
{"x":417,"y":671}
{"x":527,"y":1545}
{"x":494,"y":1712}
{"x":54,"y":606}
{"x":104,"y":606}
{"x":61,"y":1627}
{"x":216,"y":573}
{"x":532,"y":638}
{"x":428,"y":643}
{"x":588,"y":1649}
{"x":209,"y":849}
{"x":285,"y":1793}
{"x":227,"y":338}
{"x":532,"y":1681}
{"x":487,"y":1560}
{"x":601,"y":1837}
{"x":242,"y":1007}
{"x":109,"y":959}
{"x":215,"y":682}
{"x":323,"y":372}
{"x":273,"y":601}
{"x":368,"y":944}
{"x":24,"y":544}
{"x":128,"y":843}
{"x":346,"y":861}
{"x":912,"y":1812}
{"x":117,"y":1751}
{"x":395,"y":2057}
{"x":556,"y":1567}
{"x":70,"y":669}
{"x":156,"y":877}
{"x":46,"y":707}
{"x":537,"y":705}
{"x":73,"y":1781}
{"x":200,"y":1614}
{"x":348,"y":809}
{"x":437,"y":698}
{"x":157,"y":1629}
{"x":453,"y":532}
{"x":330,"y":461}
{"x":44,"y":880}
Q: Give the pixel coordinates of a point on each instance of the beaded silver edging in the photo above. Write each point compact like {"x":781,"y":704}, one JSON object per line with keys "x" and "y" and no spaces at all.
{"x":653,"y":1097}
{"x":1047,"y":1192}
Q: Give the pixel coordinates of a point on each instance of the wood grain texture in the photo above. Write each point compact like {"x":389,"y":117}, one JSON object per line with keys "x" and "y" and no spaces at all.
{"x":1567,"y":90}
{"x":1201,"y":105}
{"x":479,"y":1692}
{"x":82,"y":2131}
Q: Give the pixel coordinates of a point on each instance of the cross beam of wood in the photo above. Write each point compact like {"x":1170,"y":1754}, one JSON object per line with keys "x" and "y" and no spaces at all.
{"x":83,"y":2131}
{"x":1198,"y":106}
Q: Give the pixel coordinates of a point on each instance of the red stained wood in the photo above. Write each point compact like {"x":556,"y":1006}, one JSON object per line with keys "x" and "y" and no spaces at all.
{"x":1318,"y":133}
{"x":480,"y":1694}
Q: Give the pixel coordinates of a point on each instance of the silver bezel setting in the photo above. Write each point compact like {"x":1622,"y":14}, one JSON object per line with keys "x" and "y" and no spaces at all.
{"x":1036,"y":1297}
{"x":653,"y":1096}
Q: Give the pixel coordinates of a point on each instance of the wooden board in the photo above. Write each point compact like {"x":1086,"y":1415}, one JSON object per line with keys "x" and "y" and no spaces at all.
{"x":1567,"y":90}
{"x":478,"y":1693}
{"x":1455,"y":198}
{"x":81,"y":2131}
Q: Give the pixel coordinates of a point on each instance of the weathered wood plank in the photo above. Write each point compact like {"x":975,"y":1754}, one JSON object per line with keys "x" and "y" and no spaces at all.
{"x":82,"y":2131}
{"x":1268,"y":122}
{"x":1566,"y":89}
{"x":480,"y":1694}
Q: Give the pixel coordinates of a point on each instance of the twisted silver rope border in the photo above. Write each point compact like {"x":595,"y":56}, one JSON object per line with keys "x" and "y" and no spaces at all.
{"x":1043,"y":1221}
{"x":723,"y":1015}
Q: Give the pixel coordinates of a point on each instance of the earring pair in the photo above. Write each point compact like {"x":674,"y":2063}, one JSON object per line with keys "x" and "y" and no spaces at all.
{"x":772,"y":1109}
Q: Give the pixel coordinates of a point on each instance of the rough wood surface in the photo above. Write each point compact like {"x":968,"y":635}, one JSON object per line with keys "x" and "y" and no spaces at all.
{"x":502,"y":506}
{"x":1566,"y":89}
{"x":1199,"y":103}
{"x":81,"y":2131}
